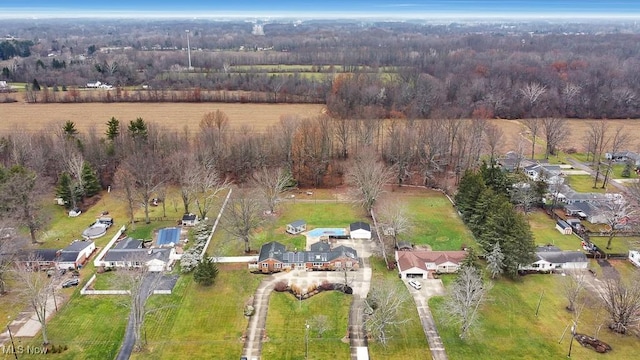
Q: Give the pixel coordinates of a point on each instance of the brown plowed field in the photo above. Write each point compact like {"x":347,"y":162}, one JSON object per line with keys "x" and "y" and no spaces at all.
{"x":172,"y":116}
{"x":177,"y":116}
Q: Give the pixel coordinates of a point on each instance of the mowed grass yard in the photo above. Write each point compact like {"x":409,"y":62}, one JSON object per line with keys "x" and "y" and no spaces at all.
{"x":316,"y":214}
{"x":170,"y":116}
{"x":409,"y":341}
{"x":544,"y":232}
{"x":197,"y":322}
{"x":92,"y":327}
{"x":509,"y":329}
{"x":286,"y":320}
{"x":435,"y":221}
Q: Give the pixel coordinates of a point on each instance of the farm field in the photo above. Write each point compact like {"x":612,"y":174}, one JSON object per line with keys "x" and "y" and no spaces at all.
{"x":171,"y":116}
{"x":509,"y":329}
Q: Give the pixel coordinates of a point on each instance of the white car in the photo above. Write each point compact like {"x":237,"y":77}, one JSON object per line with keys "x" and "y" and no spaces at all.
{"x":415,"y":284}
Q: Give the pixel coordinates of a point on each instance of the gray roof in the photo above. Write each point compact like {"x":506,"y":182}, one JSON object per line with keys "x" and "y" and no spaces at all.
{"x":68,"y":256}
{"x":359,"y":225}
{"x":319,"y":253}
{"x":39,"y":255}
{"x":298,"y":223}
{"x":563,"y":224}
{"x":128,"y":243}
{"x":189,"y":217}
{"x":554,"y":255}
{"x":78,"y":246}
{"x":137,"y":254}
{"x":320,"y":246}
{"x":560,"y":257}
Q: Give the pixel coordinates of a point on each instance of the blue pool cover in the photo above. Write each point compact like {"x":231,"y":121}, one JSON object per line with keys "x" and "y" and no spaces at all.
{"x":168,"y":236}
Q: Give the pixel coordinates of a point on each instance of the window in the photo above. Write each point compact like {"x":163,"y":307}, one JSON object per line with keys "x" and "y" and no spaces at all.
{"x":349,"y":264}
{"x":277,"y":266}
{"x":265,"y":265}
{"x":338,"y":264}
{"x":317,"y":264}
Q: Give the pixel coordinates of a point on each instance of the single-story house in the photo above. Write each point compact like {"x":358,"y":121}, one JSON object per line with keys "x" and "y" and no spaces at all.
{"x":574,"y":223}
{"x":38,"y":258}
{"x":189,"y":220}
{"x":624,"y":156}
{"x":551,"y":258}
{"x":75,"y":255}
{"x":274,"y":257}
{"x":155,"y":259}
{"x":297,"y":227}
{"x":564,"y":227}
{"x":360,"y":230}
{"x":634,"y":257}
{"x":550,"y":173}
{"x":586,"y":211}
{"x":423,"y":263}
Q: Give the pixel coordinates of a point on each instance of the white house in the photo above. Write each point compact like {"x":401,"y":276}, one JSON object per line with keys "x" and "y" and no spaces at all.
{"x":624,"y":156}
{"x":297,"y":227}
{"x":76,"y":254}
{"x":551,"y":258}
{"x":634,"y":257}
{"x":360,"y":230}
{"x":422,"y":263}
{"x":94,"y":85}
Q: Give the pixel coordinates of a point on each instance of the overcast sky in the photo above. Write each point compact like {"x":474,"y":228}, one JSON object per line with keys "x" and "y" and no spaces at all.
{"x":320,"y":9}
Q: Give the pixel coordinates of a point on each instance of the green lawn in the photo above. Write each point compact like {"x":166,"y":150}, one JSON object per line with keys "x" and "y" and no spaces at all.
{"x":91,"y":326}
{"x":583,"y":183}
{"x":285,"y":326}
{"x":509,"y":329}
{"x":619,"y":244}
{"x":544,"y":232}
{"x":435,"y":222}
{"x":617,"y":172}
{"x":321,"y":214}
{"x":409,"y":342}
{"x":200,"y":322}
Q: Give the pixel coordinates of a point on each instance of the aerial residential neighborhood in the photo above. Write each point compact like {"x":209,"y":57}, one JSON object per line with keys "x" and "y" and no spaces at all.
{"x":287,"y":180}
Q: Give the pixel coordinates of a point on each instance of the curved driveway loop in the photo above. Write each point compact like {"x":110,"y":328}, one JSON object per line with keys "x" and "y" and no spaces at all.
{"x":360,"y":282}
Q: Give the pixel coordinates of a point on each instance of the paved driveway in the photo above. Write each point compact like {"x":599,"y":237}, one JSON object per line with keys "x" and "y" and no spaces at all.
{"x":430,"y":287}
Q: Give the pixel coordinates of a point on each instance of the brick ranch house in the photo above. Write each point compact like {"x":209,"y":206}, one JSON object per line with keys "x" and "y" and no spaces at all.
{"x":274,"y":257}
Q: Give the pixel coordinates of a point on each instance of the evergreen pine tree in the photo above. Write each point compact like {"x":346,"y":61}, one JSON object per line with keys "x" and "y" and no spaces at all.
{"x":113,"y":129}
{"x":205,"y":272}
{"x":470,"y":187}
{"x":495,"y":261}
{"x":67,"y":190}
{"x":69,"y":129}
{"x":90,"y":180}
{"x":471,"y":260}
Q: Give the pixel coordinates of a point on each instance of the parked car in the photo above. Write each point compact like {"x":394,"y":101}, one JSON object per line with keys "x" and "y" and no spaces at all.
{"x":415,"y":284}
{"x":70,"y":283}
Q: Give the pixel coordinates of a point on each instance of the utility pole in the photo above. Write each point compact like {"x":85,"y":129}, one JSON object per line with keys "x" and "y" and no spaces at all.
{"x":188,"y":49}
{"x":13,"y":345}
{"x":306,"y":340}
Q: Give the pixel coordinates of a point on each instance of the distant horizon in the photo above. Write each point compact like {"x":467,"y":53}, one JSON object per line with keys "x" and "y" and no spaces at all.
{"x":329,"y":9}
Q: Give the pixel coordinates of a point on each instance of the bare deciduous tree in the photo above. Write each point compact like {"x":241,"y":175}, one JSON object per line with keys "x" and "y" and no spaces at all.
{"x":532,"y":93}
{"x":271,"y":182}
{"x":20,"y":193}
{"x":616,"y":212}
{"x":37,"y":290}
{"x":555,"y":130}
{"x":494,"y":137}
{"x":618,"y":141}
{"x":368,"y":177}
{"x":125,"y":184}
{"x":140,"y":284}
{"x":385,"y":310}
{"x":10,"y":243}
{"x":242,"y":216}
{"x":533,"y":124}
{"x":208,"y":186}
{"x":525,"y":196}
{"x":320,"y":324}
{"x":573,"y":284}
{"x":597,"y":141}
{"x":622,"y":301}
{"x":394,"y":216}
{"x":467,"y":294}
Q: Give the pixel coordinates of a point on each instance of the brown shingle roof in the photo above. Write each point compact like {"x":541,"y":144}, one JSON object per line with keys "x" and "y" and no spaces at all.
{"x":418,"y":258}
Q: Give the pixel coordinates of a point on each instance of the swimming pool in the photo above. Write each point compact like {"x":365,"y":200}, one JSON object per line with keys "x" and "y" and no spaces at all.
{"x":327,"y":231}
